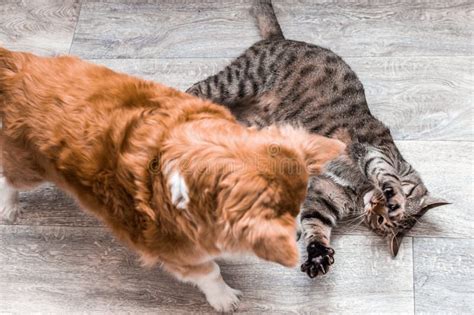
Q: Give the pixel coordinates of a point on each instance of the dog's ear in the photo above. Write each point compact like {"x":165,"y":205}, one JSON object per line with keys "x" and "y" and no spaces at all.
{"x":257,"y":218}
{"x":319,"y":150}
{"x":274,"y":241}
{"x":316,"y":150}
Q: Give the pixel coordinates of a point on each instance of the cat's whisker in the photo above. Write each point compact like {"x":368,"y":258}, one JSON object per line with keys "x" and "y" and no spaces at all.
{"x":355,"y":222}
{"x":352,"y":220}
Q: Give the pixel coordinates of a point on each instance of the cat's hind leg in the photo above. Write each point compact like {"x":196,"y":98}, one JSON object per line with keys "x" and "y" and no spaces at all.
{"x":326,"y":203}
{"x":223,"y":88}
{"x":237,"y":82}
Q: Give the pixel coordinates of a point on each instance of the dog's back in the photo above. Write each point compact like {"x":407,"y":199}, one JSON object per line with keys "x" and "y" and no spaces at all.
{"x":7,"y":69}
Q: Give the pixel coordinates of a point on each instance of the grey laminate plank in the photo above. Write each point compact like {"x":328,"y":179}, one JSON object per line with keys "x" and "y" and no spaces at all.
{"x":382,"y":28}
{"x":447,"y":169}
{"x":151,"y":29}
{"x":421,"y":98}
{"x":418,"y":98}
{"x":163,"y":29}
{"x":444,"y":276}
{"x":44,"y":27}
{"x":52,"y":270}
{"x":47,"y":205}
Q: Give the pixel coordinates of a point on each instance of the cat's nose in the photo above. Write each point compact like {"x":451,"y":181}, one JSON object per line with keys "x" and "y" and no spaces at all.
{"x":394,"y":211}
{"x":381,"y":220}
{"x":397,"y":217}
{"x":393,"y":207}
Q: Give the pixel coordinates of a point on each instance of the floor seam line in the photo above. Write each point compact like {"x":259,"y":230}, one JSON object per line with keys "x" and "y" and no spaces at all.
{"x":413,"y":272}
{"x":75,"y":26}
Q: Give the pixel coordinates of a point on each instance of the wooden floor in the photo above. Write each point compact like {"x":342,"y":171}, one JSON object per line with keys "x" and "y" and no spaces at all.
{"x":416,"y":60}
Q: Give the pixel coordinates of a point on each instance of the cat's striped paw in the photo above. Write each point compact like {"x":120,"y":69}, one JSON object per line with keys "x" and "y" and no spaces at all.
{"x":319,"y":259}
{"x":395,"y":201}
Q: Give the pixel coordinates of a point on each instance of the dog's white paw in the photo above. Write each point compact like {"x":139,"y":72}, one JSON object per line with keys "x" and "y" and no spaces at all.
{"x":9,"y":214}
{"x":225,"y":300}
{"x":9,"y":207}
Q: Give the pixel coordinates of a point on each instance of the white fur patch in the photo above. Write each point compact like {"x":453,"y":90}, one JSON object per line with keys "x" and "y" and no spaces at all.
{"x":179,"y":190}
{"x":222,"y":297}
{"x":338,"y":180}
{"x":9,"y":207}
{"x":368,"y":200}
{"x":368,"y":197}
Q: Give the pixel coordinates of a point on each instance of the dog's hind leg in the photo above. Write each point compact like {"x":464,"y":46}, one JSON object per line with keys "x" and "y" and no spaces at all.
{"x":8,"y":194}
{"x":18,"y":170}
{"x":9,"y":207}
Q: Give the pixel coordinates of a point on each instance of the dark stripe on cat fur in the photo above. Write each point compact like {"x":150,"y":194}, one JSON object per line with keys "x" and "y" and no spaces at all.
{"x":241,"y":89}
{"x":307,"y":70}
{"x":300,"y":109}
{"x":411,"y":190}
{"x":350,"y":76}
{"x":330,"y":206}
{"x":229,"y":76}
{"x":391,"y":175}
{"x":350,"y":90}
{"x":316,"y":215}
{"x":367,"y":164}
{"x":331,"y":59}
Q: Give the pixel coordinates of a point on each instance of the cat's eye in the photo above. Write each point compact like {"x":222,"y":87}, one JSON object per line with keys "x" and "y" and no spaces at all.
{"x":380,"y":220}
{"x":408,"y":188}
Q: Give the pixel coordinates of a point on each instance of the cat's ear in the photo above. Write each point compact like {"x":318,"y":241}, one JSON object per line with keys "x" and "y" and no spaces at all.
{"x":429,"y":202}
{"x":426,"y":203}
{"x":394,"y":243}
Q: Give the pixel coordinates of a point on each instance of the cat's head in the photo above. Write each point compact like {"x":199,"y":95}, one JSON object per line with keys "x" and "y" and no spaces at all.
{"x":417,"y":202}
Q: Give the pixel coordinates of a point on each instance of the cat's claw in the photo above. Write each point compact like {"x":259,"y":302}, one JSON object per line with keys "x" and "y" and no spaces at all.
{"x":394,"y":200}
{"x":319,"y":259}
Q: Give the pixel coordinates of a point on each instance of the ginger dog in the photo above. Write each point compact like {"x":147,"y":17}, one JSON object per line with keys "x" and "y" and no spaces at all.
{"x":175,"y":177}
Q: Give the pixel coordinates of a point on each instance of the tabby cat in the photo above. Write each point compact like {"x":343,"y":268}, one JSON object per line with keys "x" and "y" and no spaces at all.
{"x":284,"y":81}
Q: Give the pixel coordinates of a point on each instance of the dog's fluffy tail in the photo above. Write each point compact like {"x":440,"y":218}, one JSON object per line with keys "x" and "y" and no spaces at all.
{"x":267,"y":22}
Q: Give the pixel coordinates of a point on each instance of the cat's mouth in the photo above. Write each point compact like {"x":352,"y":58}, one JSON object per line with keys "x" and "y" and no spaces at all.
{"x":380,"y":224}
{"x":377,"y":218}
{"x":394,"y":229}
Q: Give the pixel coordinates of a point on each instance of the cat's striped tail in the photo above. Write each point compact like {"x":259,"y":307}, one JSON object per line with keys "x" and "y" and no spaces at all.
{"x":267,"y":21}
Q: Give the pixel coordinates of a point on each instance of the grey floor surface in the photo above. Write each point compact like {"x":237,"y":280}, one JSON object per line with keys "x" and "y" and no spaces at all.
{"x":416,"y":61}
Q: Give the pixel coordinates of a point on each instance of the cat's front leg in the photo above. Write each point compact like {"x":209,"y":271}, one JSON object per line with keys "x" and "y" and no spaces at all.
{"x":324,"y":205}
{"x":379,"y":168}
{"x":330,"y":198}
{"x":320,"y":256}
